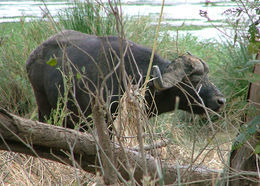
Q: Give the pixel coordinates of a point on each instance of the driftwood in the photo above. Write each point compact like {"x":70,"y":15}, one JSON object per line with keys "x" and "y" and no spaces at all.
{"x":79,"y":149}
{"x":244,"y":158}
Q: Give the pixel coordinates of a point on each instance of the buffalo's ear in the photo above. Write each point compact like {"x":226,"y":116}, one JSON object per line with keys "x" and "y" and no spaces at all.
{"x":180,"y":68}
{"x":170,"y":77}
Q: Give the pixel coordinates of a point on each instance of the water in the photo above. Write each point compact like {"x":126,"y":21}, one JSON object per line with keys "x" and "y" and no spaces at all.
{"x":14,"y":10}
{"x":176,"y":12}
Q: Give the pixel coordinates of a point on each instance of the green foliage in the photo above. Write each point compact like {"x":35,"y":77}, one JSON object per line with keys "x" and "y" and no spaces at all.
{"x":59,"y":114}
{"x":88,"y":17}
{"x":247,"y":131}
{"x":257,"y":149}
{"x":253,"y":47}
{"x":140,"y":30}
{"x":244,"y":19}
{"x":234,"y":71}
{"x":19,"y":40}
{"x":52,"y":62}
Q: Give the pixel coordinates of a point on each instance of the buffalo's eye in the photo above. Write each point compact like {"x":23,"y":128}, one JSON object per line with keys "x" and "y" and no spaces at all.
{"x":195,"y":79}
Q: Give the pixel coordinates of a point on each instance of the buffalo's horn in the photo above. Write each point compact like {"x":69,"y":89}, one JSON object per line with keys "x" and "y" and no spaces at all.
{"x":188,"y":52}
{"x":158,"y":80}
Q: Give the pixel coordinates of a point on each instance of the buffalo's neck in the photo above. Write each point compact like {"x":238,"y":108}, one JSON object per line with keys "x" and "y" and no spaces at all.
{"x":160,"y":102}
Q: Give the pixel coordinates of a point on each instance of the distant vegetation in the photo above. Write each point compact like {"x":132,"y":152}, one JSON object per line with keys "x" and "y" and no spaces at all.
{"x":88,"y":18}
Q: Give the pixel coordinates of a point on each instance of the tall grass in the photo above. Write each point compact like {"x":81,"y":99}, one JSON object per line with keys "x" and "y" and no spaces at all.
{"x":234,"y":70}
{"x":88,"y":17}
{"x":19,"y":39}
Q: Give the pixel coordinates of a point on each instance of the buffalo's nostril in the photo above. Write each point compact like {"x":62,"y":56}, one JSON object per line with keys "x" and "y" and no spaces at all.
{"x":221,"y":101}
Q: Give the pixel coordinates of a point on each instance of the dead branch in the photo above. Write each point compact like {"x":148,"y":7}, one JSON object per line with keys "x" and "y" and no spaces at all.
{"x":52,"y":142}
{"x":155,"y":145}
{"x":107,"y":159}
{"x":46,"y":141}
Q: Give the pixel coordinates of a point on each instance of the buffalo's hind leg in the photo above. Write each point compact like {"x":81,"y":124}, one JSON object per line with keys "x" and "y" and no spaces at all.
{"x":44,"y":107}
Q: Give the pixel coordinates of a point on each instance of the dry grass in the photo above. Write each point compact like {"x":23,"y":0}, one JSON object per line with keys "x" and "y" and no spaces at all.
{"x":18,"y":169}
{"x":208,"y":158}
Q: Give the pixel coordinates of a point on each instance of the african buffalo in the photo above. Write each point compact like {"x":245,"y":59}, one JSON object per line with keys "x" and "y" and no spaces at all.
{"x":93,"y":64}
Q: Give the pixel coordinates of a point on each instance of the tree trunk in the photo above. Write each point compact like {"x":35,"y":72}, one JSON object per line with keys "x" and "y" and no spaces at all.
{"x":79,"y":149}
{"x":244,"y":158}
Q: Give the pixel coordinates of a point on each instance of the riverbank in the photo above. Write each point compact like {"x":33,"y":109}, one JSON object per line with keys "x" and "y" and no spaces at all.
{"x":178,"y":15}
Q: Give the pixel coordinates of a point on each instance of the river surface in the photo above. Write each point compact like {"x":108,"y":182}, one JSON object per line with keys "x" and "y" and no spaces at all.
{"x":176,"y":12}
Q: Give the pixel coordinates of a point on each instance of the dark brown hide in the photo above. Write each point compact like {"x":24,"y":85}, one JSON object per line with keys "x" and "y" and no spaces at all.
{"x":92,"y":66}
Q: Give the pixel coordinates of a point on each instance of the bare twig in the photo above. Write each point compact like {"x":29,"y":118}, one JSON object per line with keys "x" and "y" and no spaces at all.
{"x":110,"y":176}
{"x":155,"y":145}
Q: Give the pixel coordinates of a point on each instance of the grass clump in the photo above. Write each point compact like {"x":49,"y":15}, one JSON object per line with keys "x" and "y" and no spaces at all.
{"x":18,"y":41}
{"x":89,"y":18}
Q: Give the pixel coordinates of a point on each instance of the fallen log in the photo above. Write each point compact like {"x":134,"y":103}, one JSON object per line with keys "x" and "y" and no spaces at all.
{"x":68,"y":146}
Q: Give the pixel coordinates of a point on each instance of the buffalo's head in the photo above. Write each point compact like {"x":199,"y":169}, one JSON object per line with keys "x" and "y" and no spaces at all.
{"x":187,"y":78}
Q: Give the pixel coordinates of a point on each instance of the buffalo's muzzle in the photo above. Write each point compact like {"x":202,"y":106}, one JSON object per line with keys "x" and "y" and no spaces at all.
{"x":219,"y":102}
